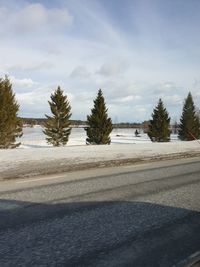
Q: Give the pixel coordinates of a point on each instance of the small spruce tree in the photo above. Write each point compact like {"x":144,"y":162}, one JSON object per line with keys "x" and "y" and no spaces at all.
{"x":99,"y":124}
{"x":57,"y":126}
{"x":10,"y":123}
{"x":159,"y":125}
{"x":189,"y":127}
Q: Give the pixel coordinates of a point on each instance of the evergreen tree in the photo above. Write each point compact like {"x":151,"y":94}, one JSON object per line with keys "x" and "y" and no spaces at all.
{"x":10,"y":123}
{"x":189,"y":122}
{"x":99,"y":125}
{"x":57,"y":127}
{"x":159,"y":125}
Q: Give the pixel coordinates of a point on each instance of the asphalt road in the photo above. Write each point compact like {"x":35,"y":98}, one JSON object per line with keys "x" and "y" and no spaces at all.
{"x":145,"y":215}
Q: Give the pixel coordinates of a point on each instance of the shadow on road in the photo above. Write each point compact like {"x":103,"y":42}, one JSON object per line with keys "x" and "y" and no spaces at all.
{"x":113,"y":233}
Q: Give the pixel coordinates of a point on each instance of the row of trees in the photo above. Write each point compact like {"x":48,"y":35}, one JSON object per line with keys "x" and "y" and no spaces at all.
{"x":57,"y":127}
{"x":188,"y":129}
{"x":99,"y":125}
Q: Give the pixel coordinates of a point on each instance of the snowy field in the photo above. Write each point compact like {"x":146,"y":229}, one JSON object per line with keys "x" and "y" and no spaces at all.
{"x":34,"y":137}
{"x":34,"y":157}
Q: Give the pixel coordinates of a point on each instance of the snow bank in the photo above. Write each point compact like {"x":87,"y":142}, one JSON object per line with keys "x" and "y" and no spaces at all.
{"x":95,"y":152}
{"x":34,"y":161}
{"x":40,"y":158}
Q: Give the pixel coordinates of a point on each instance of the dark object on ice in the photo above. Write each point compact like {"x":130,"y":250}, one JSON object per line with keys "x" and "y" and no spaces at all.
{"x":137,"y":134}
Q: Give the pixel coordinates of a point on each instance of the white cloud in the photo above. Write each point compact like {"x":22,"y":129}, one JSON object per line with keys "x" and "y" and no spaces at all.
{"x":30,"y":66}
{"x":165,"y":87}
{"x":80,"y":72}
{"x":126,"y":99}
{"x":34,"y":17}
{"x":36,"y":102}
{"x":120,"y":87}
{"x":172,"y":100}
{"x":30,"y":18}
{"x":60,"y":17}
{"x":25,"y":82}
{"x":111,"y":69}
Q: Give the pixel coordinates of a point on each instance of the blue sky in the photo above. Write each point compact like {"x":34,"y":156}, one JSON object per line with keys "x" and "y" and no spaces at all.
{"x":135,"y":51}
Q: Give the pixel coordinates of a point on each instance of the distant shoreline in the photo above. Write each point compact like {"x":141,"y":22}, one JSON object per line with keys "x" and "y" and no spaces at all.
{"x":29,"y":122}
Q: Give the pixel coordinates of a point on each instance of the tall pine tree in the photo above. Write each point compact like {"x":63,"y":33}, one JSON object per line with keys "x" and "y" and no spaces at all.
{"x":10,"y":123}
{"x":57,"y":126}
{"x":159,"y":125}
{"x":99,"y":124}
{"x":189,"y":127}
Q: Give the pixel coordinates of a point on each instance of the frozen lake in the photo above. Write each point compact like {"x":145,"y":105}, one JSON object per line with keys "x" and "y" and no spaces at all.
{"x":34,"y":137}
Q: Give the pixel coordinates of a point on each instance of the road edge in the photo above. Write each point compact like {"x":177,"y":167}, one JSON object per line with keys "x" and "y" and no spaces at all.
{"x":35,"y":169}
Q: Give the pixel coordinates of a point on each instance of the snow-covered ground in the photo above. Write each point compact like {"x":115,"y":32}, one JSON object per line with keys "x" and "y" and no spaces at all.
{"x":42,"y":159}
{"x":34,"y":137}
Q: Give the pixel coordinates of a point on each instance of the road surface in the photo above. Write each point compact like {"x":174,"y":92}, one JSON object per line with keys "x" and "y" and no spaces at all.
{"x":142,"y":215}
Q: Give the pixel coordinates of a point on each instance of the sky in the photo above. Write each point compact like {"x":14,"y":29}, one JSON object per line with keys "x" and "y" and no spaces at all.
{"x":136,"y":51}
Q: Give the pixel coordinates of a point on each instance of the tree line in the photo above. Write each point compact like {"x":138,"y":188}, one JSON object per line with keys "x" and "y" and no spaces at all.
{"x":31,"y":122}
{"x":99,"y":125}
